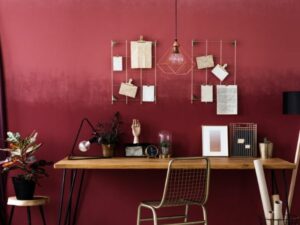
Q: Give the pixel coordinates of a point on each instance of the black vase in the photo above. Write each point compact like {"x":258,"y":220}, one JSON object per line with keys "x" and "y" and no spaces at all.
{"x":24,"y":189}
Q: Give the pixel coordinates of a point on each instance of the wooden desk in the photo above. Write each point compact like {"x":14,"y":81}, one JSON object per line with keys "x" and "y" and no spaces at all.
{"x":220,"y":163}
{"x":77,"y":166}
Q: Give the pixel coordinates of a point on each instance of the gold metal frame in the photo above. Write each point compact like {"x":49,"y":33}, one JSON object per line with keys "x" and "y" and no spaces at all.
{"x":183,"y":187}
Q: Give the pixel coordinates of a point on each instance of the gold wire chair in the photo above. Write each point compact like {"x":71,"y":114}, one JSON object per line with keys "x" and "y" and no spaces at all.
{"x":184,"y":186}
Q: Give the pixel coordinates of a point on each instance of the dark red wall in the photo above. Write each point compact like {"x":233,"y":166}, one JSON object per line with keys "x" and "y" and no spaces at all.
{"x":57,"y":71}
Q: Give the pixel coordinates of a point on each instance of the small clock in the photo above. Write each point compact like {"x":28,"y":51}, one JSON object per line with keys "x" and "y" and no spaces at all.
{"x":151,"y":151}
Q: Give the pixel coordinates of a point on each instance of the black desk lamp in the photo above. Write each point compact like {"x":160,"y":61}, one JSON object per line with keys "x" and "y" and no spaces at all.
{"x":85,"y":145}
{"x":291,"y":106}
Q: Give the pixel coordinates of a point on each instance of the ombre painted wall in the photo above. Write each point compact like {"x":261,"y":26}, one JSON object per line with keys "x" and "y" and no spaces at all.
{"x":57,"y":70}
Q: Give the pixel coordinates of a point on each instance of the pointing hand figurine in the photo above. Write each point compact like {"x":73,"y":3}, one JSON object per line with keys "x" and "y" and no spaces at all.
{"x":136,"y":130}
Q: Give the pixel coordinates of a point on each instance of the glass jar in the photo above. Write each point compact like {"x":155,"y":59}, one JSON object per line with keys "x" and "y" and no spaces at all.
{"x":165,"y":143}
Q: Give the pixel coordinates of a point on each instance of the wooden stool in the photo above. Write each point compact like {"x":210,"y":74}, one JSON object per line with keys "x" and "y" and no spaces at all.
{"x":39,"y":201}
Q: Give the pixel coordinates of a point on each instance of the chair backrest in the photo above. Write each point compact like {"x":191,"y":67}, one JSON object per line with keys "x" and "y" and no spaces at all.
{"x":187,"y":182}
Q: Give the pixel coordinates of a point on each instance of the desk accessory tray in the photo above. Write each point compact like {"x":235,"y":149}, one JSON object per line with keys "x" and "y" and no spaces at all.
{"x":135,"y":150}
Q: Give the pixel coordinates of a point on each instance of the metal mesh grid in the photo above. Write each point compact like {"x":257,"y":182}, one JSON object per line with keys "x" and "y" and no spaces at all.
{"x":243,"y":139}
{"x":186,"y":186}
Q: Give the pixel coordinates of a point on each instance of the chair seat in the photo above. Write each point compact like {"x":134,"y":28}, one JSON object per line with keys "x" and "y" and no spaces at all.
{"x":176,"y":202}
{"x":36,"y":201}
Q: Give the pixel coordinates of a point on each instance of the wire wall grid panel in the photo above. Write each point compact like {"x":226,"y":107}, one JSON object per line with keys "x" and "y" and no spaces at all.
{"x":243,"y":139}
{"x":140,"y":76}
{"x":224,"y":52}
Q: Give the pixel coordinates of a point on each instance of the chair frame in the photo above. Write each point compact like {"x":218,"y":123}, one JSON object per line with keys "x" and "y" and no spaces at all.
{"x":155,"y":207}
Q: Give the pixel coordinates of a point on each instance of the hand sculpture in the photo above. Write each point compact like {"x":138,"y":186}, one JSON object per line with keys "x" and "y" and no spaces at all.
{"x":136,"y":130}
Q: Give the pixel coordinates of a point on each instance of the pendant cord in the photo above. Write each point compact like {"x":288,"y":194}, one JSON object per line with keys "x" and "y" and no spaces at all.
{"x":175,"y":19}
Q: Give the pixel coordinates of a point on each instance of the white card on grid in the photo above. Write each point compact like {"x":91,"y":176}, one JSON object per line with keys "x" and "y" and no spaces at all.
{"x":117,"y":63}
{"x":207,"y":93}
{"x":148,"y":93}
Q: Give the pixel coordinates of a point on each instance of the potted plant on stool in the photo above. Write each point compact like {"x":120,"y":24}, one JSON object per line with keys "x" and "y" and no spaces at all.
{"x":21,"y":157}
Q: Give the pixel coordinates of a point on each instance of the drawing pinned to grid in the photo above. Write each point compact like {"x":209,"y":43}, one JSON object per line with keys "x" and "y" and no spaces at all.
{"x":227,"y":100}
{"x":141,"y":54}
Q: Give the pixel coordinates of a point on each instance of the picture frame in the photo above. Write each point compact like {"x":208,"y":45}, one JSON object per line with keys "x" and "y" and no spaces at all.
{"x":214,"y":140}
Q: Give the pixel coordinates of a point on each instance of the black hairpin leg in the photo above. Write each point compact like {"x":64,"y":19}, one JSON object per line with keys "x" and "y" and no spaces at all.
{"x":286,"y":201}
{"x":62,"y":192}
{"x":69,"y":204}
{"x":72,"y":185}
{"x":275,"y":189}
{"x":78,"y":198}
{"x":74,"y":192}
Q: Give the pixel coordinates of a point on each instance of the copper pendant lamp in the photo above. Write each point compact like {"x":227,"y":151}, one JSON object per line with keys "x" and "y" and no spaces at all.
{"x":175,"y":60}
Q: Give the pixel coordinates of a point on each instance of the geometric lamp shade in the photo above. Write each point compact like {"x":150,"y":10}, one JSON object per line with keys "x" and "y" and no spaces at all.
{"x":166,"y":65}
{"x":291,"y":102}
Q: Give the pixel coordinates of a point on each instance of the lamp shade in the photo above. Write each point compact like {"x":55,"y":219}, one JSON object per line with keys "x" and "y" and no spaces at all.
{"x":291,"y":102}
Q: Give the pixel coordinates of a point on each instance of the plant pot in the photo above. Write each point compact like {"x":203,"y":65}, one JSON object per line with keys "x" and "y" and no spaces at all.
{"x":108,"y":150}
{"x":24,"y":189}
{"x":266,"y":150}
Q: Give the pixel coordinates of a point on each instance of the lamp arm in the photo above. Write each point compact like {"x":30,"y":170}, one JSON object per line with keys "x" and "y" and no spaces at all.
{"x":78,"y":133}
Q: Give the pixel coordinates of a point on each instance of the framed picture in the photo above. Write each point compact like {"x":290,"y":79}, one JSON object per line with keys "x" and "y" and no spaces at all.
{"x":214,"y":140}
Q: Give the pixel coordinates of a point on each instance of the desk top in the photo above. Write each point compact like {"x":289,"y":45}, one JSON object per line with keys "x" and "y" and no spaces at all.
{"x":220,"y":163}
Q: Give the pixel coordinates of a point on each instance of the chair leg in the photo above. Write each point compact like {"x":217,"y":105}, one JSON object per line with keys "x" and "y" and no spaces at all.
{"x":11,"y":214}
{"x":28,"y":216}
{"x":204,"y":214}
{"x":154,"y":216}
{"x":186,"y":213}
{"x":42,"y":214}
{"x":138,"y":222}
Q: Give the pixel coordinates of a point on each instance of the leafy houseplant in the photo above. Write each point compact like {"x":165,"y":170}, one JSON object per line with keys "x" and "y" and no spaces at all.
{"x":109,"y":135}
{"x":21,"y":157}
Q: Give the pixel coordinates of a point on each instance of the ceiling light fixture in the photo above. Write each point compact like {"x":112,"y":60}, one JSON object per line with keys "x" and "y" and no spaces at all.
{"x":175,"y":60}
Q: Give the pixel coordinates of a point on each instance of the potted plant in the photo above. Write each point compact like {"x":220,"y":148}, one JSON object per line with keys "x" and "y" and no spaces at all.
{"x":109,"y":135}
{"x":266,"y":149}
{"x":21,"y":157}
